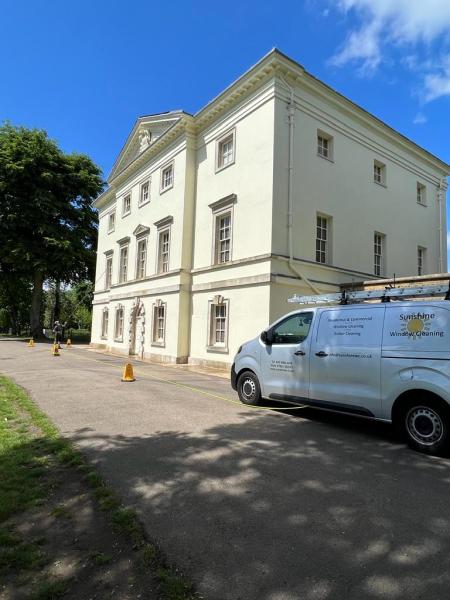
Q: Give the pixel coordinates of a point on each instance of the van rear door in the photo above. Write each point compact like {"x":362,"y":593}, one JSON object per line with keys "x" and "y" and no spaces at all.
{"x":345,"y":359}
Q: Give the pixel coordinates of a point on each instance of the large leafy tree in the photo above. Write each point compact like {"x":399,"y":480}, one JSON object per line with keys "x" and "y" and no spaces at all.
{"x":47,"y":223}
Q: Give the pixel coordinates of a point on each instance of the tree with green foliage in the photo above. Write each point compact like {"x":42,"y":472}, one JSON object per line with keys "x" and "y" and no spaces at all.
{"x":15,"y":299}
{"x":48,"y":227}
{"x":75,"y":304}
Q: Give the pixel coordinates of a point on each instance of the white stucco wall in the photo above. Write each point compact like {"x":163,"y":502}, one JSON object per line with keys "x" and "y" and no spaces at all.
{"x":249,"y":178}
{"x":343,"y":188}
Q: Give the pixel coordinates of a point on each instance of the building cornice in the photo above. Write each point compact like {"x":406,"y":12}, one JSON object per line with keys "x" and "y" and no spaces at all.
{"x":273,"y":64}
{"x":298,"y":75}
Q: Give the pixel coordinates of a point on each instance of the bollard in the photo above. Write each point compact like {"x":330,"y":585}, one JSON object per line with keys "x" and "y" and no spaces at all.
{"x":128,"y":374}
{"x":69,"y":343}
{"x":55,"y":350}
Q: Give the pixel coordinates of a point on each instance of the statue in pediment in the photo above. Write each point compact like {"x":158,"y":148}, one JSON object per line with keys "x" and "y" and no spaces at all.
{"x":144,"y":139}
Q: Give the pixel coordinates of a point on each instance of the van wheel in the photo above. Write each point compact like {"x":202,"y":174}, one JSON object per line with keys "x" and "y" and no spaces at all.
{"x":427,"y":426}
{"x":248,"y":388}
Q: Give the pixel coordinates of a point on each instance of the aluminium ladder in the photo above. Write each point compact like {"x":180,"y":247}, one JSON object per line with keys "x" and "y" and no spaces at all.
{"x":386,"y":295}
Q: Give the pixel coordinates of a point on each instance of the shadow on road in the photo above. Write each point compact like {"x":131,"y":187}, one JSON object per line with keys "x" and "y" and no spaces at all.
{"x":297,"y":508}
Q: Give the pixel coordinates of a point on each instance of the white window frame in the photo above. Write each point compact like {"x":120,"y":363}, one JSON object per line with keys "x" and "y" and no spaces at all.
{"x":109,"y":258}
{"x":379,"y":254}
{"x":323,"y":244}
{"x":159,"y":258}
{"x":421,"y":194}
{"x":421,"y":260}
{"x":123,"y":272}
{"x":105,"y":324}
{"x":147,"y":183}
{"x":229,"y":136}
{"x":119,"y":324}
{"x":163,"y":187}
{"x":139,"y":241}
{"x":157,"y":307}
{"x":126,"y":210}
{"x":218,"y":251}
{"x":219,"y":209}
{"x":214,"y":345}
{"x":379,"y":173}
{"x":111,"y":221}
{"x":325,"y":151}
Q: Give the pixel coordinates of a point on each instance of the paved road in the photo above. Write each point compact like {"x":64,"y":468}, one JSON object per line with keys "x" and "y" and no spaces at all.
{"x":252,"y":505}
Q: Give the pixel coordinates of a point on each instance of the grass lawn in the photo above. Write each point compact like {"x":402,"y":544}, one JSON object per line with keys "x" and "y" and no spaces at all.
{"x":63,"y":531}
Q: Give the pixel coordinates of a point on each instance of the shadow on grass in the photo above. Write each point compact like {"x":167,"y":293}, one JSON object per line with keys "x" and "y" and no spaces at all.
{"x":56,"y":540}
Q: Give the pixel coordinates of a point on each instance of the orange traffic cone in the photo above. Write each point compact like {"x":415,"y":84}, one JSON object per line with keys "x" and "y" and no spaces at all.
{"x":31,"y":343}
{"x":55,"y":350}
{"x":69,"y":343}
{"x":128,"y":374}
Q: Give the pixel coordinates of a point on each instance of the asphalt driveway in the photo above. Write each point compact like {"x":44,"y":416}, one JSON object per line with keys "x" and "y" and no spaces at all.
{"x":252,"y":504}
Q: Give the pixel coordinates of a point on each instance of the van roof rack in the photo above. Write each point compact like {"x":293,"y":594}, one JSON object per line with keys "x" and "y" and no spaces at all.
{"x":386,"y":295}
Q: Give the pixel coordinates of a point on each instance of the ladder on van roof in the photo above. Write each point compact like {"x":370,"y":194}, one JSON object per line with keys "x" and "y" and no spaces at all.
{"x":386,"y":295}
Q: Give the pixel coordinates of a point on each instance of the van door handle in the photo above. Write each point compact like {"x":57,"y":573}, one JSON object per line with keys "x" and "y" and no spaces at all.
{"x":300,"y":353}
{"x":321,"y":353}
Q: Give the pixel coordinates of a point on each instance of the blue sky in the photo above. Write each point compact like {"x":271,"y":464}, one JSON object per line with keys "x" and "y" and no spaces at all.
{"x":85,"y":70}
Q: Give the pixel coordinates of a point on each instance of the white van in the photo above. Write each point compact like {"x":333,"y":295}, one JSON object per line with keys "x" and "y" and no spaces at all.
{"x":387,"y":361}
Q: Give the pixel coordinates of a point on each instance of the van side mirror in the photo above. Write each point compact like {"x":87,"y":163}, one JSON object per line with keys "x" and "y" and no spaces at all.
{"x":267,"y":337}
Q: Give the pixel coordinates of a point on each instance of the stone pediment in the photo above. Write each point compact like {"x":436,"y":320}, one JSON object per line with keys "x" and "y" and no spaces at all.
{"x":144,"y":133}
{"x":141,"y":230}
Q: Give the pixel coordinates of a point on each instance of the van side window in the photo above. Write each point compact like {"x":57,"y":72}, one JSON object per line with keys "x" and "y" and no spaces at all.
{"x":292,"y":330}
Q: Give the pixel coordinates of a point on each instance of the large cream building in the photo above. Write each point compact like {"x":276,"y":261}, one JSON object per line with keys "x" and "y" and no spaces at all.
{"x":279,"y":185}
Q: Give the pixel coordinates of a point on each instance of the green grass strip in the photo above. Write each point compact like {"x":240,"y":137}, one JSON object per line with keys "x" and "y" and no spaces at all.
{"x":24,"y":458}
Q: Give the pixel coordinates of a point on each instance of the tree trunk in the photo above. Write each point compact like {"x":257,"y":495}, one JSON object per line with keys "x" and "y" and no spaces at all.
{"x":14,"y":320}
{"x":36,"y":303}
{"x":57,"y":307}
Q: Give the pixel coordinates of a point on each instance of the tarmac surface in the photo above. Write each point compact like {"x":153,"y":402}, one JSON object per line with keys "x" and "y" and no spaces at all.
{"x":251,"y":504}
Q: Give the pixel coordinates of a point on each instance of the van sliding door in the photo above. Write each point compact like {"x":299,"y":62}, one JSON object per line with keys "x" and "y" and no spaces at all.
{"x":346,"y":359}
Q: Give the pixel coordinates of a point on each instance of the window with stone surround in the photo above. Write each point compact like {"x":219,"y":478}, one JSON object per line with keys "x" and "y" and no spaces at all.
{"x":105,"y":323}
{"x":218,"y":319}
{"x":141,"y":258}
{"x":324,"y":145}
{"x":144,"y":193}
{"x":379,"y":254}
{"x":379,"y":172}
{"x":159,"y":323}
{"x":323,"y":239}
{"x":166,"y":177}
{"x":108,"y":269}
{"x":225,"y":150}
{"x":222,"y":212}
{"x":126,"y":206}
{"x":118,"y":323}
